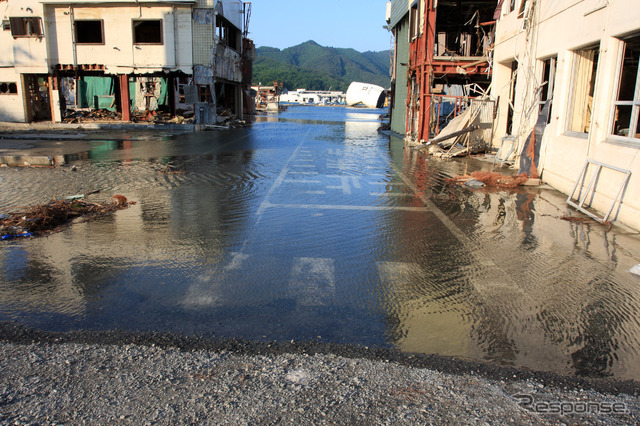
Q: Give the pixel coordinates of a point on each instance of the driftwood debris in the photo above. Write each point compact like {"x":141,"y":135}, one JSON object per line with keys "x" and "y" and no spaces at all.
{"x":46,"y":218}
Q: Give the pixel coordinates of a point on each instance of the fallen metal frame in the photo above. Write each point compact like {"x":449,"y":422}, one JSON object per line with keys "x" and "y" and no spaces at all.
{"x":590,"y":189}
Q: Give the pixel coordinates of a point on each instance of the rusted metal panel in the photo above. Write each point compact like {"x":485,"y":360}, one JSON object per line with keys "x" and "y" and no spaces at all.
{"x":124,"y":97}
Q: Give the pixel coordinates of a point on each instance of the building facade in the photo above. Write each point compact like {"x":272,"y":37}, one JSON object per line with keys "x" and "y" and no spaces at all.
{"x":438,"y":44}
{"x":132,"y":57}
{"x":580,"y":58}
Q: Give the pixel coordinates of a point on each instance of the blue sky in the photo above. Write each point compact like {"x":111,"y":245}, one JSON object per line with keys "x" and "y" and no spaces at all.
{"x":335,"y":23}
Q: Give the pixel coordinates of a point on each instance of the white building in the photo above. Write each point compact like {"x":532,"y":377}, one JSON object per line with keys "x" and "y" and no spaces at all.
{"x":313,"y":97}
{"x":183,"y":56}
{"x":582,"y":55}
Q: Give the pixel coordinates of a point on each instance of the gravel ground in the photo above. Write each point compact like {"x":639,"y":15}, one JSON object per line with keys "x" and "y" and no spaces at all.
{"x":53,"y":378}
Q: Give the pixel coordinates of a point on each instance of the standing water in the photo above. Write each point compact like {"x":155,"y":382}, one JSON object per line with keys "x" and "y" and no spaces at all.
{"x":310,"y":225}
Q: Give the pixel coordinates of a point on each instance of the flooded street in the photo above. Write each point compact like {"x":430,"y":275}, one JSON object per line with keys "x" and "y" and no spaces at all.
{"x":310,"y":225}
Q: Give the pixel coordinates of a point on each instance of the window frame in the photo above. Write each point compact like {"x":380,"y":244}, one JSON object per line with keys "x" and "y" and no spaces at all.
{"x":414,"y":20}
{"x":75,"y":29}
{"x":630,"y":139}
{"x":36,"y":24}
{"x":226,"y":33}
{"x":549,"y":64}
{"x":151,"y":43}
{"x":572,"y":101}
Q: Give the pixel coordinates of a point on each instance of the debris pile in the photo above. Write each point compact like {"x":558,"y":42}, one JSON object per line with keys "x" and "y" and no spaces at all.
{"x":79,"y":115}
{"x":465,"y":134}
{"x":42,"y":219}
{"x":493,"y":179}
{"x":227,"y":119}
{"x":160,"y":117}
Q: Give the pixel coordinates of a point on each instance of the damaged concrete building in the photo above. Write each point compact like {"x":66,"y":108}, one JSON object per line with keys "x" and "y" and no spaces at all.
{"x":561,"y":77}
{"x":441,"y":60}
{"x":580,"y":59}
{"x":134,"y":58}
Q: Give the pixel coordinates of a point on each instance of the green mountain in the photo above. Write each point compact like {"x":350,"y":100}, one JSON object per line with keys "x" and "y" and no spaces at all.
{"x":314,"y":67}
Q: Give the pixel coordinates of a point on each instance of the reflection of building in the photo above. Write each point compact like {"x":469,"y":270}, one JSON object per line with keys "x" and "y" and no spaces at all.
{"x":584,"y":57}
{"x":179,"y":56}
{"x":437,"y":45}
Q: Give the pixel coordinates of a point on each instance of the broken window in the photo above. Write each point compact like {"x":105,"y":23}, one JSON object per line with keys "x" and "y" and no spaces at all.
{"x":204,"y":93}
{"x":28,"y":26}
{"x":414,"y":20}
{"x":227,"y":34}
{"x":547,"y":83}
{"x":583,"y":87}
{"x":8,"y":88}
{"x":626,"y":113}
{"x":147,"y":31}
{"x":522,"y":8}
{"x":89,"y":32}
{"x":513,"y":82}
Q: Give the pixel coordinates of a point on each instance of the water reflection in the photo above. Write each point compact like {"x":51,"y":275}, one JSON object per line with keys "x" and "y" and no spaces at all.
{"x":311,"y":224}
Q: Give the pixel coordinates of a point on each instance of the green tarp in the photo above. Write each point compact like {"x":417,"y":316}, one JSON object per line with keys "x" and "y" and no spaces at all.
{"x":96,"y":92}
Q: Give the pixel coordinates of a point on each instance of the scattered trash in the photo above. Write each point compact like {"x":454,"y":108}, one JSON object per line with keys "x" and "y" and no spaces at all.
{"x":635,"y":270}
{"x":493,"y":179}
{"x":74,"y":197}
{"x":15,"y":232}
{"x":474,"y":183}
{"x":42,"y":219}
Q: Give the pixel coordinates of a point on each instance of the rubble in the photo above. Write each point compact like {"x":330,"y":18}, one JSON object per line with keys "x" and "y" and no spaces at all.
{"x":46,"y":218}
{"x":493,"y":179}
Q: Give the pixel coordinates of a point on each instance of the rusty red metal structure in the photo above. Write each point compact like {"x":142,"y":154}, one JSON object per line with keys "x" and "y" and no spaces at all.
{"x":440,"y":53}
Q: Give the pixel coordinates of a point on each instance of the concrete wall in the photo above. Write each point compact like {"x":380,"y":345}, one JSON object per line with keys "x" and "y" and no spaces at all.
{"x":11,"y":105}
{"x":118,"y":53}
{"x":557,"y":28}
{"x":27,"y":54}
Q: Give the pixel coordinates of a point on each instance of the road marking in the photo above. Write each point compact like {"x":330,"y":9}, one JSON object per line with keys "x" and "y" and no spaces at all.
{"x":313,"y":281}
{"x":236,"y":261}
{"x":280,"y":177}
{"x":301,"y":181}
{"x":315,"y":192}
{"x":303,"y":165}
{"x":303,"y":173}
{"x":345,"y":207}
{"x":346,"y":181}
{"x":398,"y":273}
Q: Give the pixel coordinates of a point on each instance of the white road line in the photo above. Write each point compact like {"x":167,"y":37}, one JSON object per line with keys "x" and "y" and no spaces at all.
{"x":313,"y":281}
{"x":280,"y":177}
{"x":345,"y":207}
{"x":236,"y":261}
{"x":397,"y":274}
{"x":301,"y":181}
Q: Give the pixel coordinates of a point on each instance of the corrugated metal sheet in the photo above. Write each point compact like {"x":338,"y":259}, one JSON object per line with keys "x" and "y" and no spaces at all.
{"x":398,"y":115}
{"x":399,"y":8}
{"x":233,"y":11}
